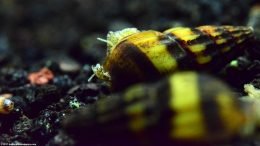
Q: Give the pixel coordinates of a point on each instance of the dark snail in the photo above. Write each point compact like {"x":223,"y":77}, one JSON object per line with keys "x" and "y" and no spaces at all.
{"x":185,"y":106}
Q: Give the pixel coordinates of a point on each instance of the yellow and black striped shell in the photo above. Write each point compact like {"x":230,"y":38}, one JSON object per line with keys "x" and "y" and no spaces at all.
{"x":150,"y":55}
{"x":185,"y":106}
{"x":6,"y":104}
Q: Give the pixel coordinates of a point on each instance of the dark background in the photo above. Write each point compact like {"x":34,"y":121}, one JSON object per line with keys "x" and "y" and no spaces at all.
{"x":35,"y":29}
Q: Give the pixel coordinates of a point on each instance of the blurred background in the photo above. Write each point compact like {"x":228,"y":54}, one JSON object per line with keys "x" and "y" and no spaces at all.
{"x":34,"y":29}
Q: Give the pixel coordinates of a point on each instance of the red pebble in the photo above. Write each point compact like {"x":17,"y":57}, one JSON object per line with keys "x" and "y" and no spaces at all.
{"x":41,"y":77}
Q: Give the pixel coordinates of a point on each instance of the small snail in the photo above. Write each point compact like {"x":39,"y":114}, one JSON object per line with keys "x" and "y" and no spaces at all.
{"x":138,"y":56}
{"x":186,"y":106}
{"x":6,"y":104}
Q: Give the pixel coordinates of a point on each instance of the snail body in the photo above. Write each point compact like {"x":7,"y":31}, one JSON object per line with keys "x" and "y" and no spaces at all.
{"x":149,"y":55}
